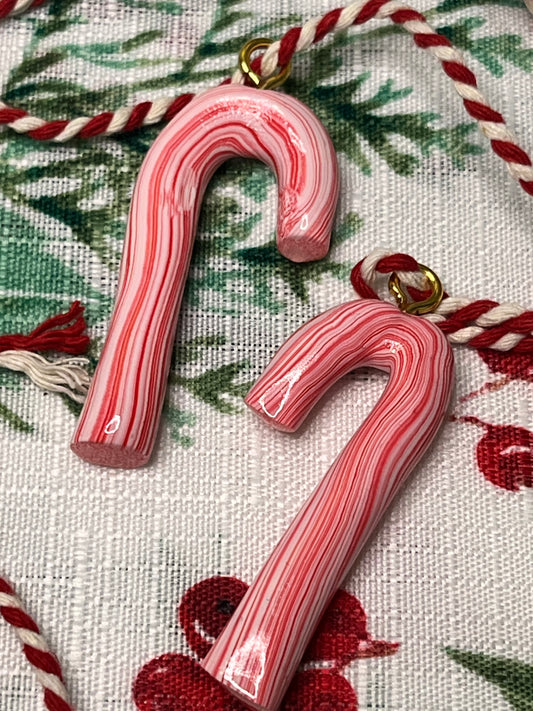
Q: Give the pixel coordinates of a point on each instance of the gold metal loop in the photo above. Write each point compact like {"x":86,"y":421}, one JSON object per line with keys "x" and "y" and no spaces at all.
{"x":245,"y":63}
{"x":417,"y":307}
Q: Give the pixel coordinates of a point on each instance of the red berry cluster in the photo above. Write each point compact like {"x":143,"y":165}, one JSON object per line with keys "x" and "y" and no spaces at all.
{"x":504,"y":454}
{"x":176,"y":682}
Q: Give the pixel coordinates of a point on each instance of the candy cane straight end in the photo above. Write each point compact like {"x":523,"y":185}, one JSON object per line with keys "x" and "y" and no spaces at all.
{"x":302,"y":248}
{"x":109,"y":455}
{"x":119,"y":422}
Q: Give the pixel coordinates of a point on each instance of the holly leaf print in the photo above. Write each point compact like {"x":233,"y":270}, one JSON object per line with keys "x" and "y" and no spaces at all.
{"x":514,"y":678}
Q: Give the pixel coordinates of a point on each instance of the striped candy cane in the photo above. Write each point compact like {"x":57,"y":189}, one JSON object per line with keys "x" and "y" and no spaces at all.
{"x":258,"y":652}
{"x":118,"y":425}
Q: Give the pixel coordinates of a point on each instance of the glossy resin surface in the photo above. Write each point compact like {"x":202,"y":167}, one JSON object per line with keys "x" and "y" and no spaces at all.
{"x":259,"y":651}
{"x":120,"y":419}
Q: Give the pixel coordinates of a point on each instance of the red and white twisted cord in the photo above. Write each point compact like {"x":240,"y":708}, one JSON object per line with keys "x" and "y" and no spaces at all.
{"x":298,"y":39}
{"x":63,"y":333}
{"x":10,"y":8}
{"x":506,"y":327}
{"x":45,"y":665}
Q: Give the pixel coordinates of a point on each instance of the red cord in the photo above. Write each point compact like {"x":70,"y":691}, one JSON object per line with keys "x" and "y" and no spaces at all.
{"x":64,"y":332}
{"x":462,"y":318}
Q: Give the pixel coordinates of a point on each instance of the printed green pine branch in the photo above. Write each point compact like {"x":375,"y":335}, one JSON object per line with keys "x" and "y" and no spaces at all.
{"x":492,"y":51}
{"x":31,"y":86}
{"x":95,"y":169}
{"x":10,"y":380}
{"x":49,"y":96}
{"x":191,"y":351}
{"x":58,"y":19}
{"x":255,"y":275}
{"x":200,"y":66}
{"x":356,"y":124}
{"x":52,"y":96}
{"x":217,"y":387}
{"x":450,"y":5}
{"x":36,"y":283}
{"x":178,"y":420}
{"x":170,"y":7}
{"x":87,"y":188}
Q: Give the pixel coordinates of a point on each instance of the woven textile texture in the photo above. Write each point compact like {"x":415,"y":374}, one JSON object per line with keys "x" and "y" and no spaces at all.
{"x":131,"y":574}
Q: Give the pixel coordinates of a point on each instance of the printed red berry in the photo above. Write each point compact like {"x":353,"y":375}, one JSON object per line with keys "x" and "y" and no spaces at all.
{"x":319,"y":690}
{"x":517,"y":366}
{"x":175,"y":682}
{"x":340,"y":637}
{"x":206,"y":608}
{"x":505,"y":456}
{"x":342,"y":634}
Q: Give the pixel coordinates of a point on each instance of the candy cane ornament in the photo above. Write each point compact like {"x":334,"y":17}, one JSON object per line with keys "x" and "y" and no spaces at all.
{"x":119,"y":422}
{"x":258,"y":652}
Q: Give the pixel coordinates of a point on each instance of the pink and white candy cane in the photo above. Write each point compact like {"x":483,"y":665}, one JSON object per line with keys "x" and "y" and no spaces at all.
{"x":258,"y":652}
{"x":119,"y":422}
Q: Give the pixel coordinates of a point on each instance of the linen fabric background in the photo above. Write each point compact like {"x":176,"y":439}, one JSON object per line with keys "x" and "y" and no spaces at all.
{"x":102,"y":558}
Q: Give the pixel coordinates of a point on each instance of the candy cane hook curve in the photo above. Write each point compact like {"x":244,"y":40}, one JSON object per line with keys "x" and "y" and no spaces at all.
{"x":119,"y":422}
{"x":258,"y":652}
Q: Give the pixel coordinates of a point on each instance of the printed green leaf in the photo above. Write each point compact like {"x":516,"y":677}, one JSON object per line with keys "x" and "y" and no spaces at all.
{"x":491,"y":51}
{"x":192,"y":351}
{"x":36,"y":65}
{"x":514,"y":678}
{"x":266,"y":264}
{"x":111,"y":54}
{"x":139,"y":40}
{"x":254,"y":275}
{"x":58,"y":19}
{"x":74,"y":407}
{"x":449,"y":5}
{"x":14,"y":421}
{"x":170,"y":7}
{"x":255,"y":185}
{"x":88,"y":188}
{"x":60,"y":98}
{"x":178,"y":420}
{"x":214,"y":386}
{"x":35,"y":283}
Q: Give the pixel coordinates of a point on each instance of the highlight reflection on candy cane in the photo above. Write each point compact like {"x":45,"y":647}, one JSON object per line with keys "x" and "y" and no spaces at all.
{"x":118,"y":425}
{"x":258,"y":652}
